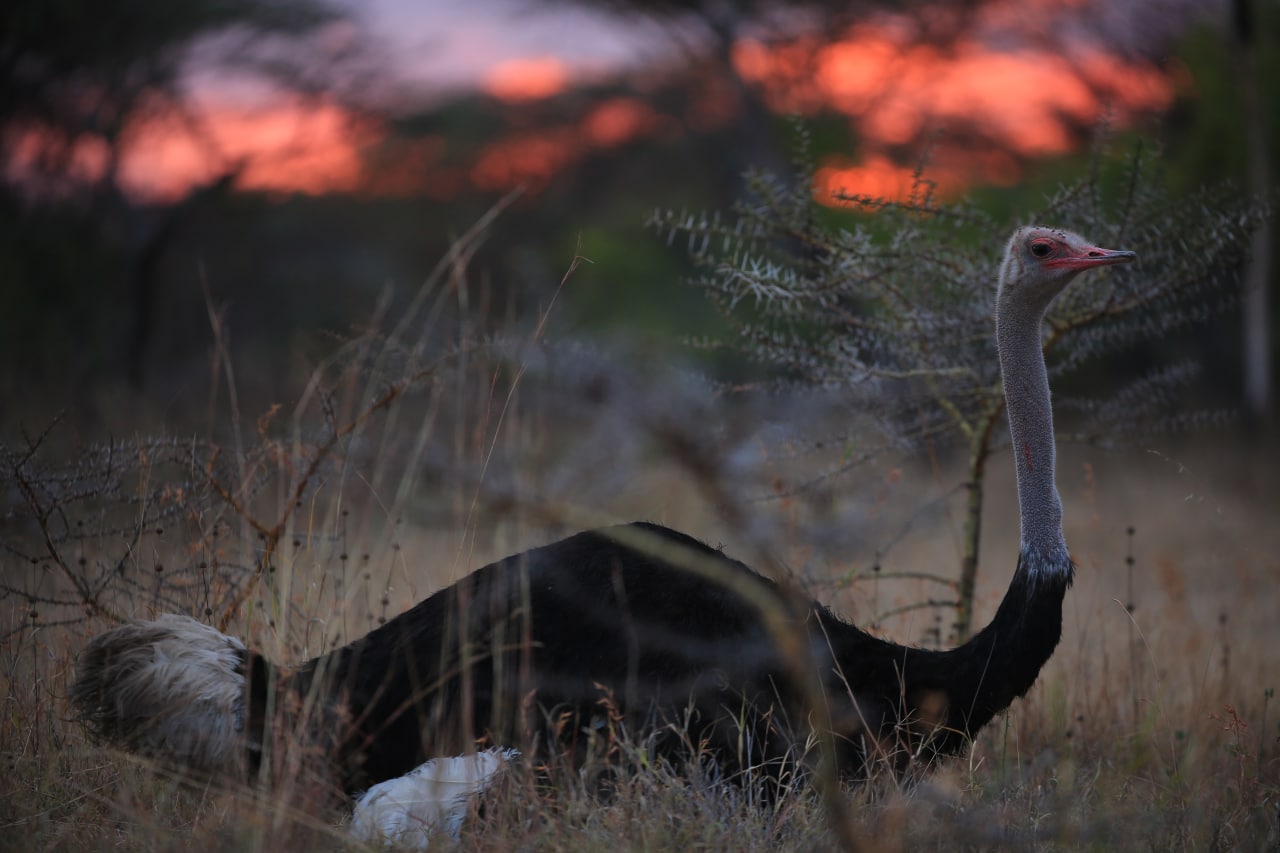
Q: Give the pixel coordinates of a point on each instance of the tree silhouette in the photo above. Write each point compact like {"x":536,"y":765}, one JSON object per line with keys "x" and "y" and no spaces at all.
{"x":76,"y":78}
{"x":78,"y":73}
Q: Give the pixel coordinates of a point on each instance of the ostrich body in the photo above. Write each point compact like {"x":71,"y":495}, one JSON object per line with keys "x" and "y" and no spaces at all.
{"x":636,"y":626}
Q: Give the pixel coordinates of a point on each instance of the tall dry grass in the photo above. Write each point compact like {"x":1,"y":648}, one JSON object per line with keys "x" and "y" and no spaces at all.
{"x":1154,"y":726}
{"x":426,"y":449}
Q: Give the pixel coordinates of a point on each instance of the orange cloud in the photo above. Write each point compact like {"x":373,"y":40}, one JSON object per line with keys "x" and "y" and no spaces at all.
{"x":291,"y":146}
{"x":34,"y":154}
{"x":533,"y":158}
{"x":527,"y":79}
{"x":619,"y":120}
{"x":876,"y":176}
{"x":896,"y":91}
{"x":529,"y":159}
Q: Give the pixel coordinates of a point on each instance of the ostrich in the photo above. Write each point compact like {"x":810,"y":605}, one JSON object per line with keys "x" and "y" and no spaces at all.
{"x":637,"y":626}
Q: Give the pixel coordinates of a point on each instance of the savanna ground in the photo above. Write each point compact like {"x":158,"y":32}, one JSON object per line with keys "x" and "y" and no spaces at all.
{"x":1154,"y":727}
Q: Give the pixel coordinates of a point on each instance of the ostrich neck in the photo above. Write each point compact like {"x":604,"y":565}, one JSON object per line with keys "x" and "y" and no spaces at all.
{"x":1002,"y":661}
{"x":1026,"y":390}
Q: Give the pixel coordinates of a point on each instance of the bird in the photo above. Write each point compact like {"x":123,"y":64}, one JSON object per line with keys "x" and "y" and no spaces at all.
{"x":635,"y":628}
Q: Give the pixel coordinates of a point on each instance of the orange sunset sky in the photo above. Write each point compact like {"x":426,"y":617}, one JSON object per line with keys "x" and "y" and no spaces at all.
{"x":893,"y":89}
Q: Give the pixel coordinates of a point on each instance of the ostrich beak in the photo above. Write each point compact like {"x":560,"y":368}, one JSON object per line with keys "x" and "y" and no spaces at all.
{"x":1088,"y":257}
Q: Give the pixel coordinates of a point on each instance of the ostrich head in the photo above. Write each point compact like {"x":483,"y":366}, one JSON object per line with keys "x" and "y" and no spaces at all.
{"x":1040,"y":262}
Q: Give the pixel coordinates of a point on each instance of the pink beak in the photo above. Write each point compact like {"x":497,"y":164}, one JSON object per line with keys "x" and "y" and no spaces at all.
{"x":1087,"y":257}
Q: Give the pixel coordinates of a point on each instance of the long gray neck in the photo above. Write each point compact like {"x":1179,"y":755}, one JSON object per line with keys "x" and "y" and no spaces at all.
{"x":1026,"y":390}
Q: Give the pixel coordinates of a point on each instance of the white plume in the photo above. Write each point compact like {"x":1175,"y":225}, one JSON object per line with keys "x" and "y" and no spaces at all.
{"x":433,"y":797}
{"x":173,"y":688}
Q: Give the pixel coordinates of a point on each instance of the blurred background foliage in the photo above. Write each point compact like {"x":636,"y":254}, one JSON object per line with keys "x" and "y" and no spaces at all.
{"x":106,"y":292}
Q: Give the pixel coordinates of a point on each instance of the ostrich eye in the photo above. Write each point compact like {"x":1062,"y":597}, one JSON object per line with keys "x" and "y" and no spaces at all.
{"x":1041,"y":249}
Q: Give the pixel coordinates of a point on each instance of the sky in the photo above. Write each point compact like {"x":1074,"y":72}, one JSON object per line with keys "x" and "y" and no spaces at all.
{"x":1021,"y":81}
{"x":443,"y":45}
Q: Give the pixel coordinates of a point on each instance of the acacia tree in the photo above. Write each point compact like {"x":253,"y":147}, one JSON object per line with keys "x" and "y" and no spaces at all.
{"x":894,"y":310}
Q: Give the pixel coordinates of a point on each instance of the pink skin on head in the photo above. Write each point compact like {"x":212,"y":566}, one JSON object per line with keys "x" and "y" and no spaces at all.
{"x":1057,"y":254}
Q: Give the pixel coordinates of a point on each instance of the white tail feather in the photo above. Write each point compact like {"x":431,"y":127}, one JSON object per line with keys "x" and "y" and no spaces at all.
{"x":433,"y":797}
{"x":173,"y":688}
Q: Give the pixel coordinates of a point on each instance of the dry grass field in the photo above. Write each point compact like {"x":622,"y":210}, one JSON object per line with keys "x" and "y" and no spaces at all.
{"x":1155,"y":726}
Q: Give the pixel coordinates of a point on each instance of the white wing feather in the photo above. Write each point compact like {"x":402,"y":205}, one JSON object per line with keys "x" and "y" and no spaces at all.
{"x":433,"y":797}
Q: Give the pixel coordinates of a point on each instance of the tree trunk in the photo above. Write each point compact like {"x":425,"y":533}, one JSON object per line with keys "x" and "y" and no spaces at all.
{"x":978,"y":452}
{"x":1256,"y":310}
